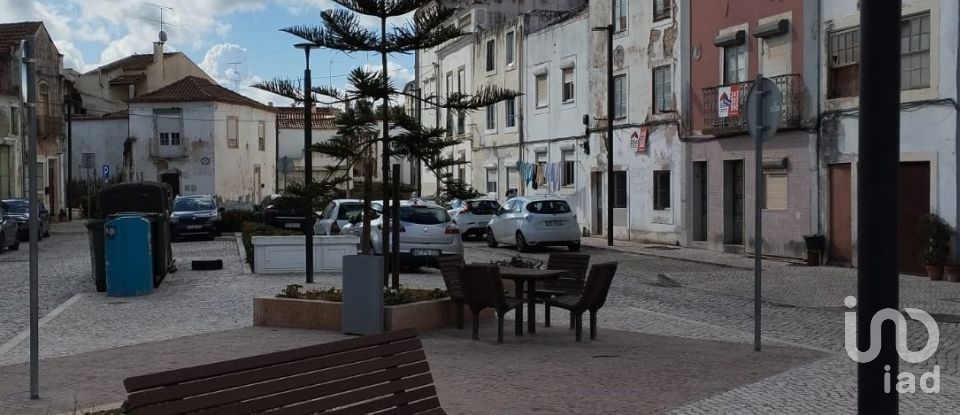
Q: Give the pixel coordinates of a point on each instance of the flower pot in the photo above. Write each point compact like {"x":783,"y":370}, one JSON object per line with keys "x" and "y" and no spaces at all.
{"x":935,"y":272}
{"x":952,"y":273}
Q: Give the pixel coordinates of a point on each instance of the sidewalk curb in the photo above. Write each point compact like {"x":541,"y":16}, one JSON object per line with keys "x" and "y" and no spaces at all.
{"x":23,"y":335}
{"x":243,"y":255}
{"x":650,"y":254}
{"x":95,"y":408}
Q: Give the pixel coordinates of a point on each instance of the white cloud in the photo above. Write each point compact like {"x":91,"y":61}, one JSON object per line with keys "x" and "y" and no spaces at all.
{"x":398,"y":74}
{"x":217,"y":63}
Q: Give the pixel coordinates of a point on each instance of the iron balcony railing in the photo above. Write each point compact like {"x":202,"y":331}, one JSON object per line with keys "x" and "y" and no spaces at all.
{"x":168,"y":149}
{"x":793,"y":98}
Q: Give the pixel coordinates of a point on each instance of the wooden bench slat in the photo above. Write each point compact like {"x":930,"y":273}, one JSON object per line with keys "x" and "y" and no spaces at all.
{"x":234,"y":380}
{"x":414,"y":408}
{"x":317,"y":391}
{"x":176,"y":376}
{"x":388,"y":402}
{"x":342,"y":402}
{"x":279,"y":385}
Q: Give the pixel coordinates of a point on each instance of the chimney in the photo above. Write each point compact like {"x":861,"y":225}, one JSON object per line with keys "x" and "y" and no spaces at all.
{"x":157,"y":70}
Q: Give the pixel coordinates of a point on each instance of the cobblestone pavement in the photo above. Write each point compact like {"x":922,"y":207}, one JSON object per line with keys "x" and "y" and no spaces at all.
{"x":60,"y":276}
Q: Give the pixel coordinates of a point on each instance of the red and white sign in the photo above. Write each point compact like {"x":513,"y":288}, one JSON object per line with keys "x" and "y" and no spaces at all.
{"x":728,"y":101}
{"x":638,"y":140}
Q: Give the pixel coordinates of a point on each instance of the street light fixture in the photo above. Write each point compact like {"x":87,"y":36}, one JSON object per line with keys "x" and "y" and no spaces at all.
{"x":308,"y":158}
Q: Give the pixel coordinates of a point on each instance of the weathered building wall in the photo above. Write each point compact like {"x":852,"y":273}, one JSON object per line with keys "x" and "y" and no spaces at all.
{"x":11,"y":147}
{"x":236,"y":168}
{"x":104,"y":139}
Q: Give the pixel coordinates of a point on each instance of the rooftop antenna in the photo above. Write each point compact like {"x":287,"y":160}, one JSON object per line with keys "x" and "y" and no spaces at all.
{"x":163,"y":34}
{"x":236,"y":74}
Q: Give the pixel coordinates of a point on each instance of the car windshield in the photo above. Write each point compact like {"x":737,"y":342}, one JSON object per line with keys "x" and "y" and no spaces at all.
{"x":348,"y":210}
{"x":548,"y":207}
{"x":17,"y":206}
{"x":484,"y":207}
{"x":193,"y":204}
{"x":423,"y":215}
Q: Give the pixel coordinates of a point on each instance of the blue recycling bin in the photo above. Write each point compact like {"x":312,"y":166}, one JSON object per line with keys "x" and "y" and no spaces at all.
{"x":129,"y":256}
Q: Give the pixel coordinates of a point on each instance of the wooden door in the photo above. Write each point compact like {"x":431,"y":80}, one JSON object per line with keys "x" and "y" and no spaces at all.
{"x":733,"y":205}
{"x":841,"y":219}
{"x":700,"y":201}
{"x":914,"y":202}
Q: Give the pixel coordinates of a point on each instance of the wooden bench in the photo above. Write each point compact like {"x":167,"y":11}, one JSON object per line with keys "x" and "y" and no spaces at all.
{"x":385,"y":372}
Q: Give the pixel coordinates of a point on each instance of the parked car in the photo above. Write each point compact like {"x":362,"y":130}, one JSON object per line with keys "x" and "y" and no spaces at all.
{"x":9,"y":236}
{"x":281,"y":212}
{"x":195,"y":216}
{"x":526,"y":223}
{"x":474,"y":215}
{"x":337,"y":215}
{"x":19,"y":210}
{"x":427,"y":232}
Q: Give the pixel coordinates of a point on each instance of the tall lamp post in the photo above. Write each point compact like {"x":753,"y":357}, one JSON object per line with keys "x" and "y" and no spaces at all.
{"x":610,"y":29}
{"x":308,"y":157}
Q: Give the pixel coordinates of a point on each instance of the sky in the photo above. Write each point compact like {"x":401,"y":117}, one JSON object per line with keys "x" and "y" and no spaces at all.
{"x":237,"y":42}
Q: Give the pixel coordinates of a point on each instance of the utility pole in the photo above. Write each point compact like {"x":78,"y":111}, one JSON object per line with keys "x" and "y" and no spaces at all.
{"x":610,"y":29}
{"x":308,"y":159}
{"x":69,"y":159}
{"x":29,"y":60}
{"x":878,"y":177}
{"x":388,"y":218}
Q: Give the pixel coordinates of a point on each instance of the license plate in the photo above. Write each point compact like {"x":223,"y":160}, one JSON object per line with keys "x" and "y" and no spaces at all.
{"x":554,"y":223}
{"x":425,"y":252}
{"x":192,"y":227}
{"x":292,"y":225}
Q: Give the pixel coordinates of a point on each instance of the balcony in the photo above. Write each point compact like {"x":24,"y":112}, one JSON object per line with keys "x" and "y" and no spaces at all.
{"x":49,"y":126}
{"x":793,"y":100}
{"x":164,"y":151}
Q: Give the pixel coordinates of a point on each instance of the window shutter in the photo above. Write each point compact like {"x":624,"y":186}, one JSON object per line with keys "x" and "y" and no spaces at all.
{"x":775,"y":187}
{"x":776,"y":51}
{"x":542,"y":92}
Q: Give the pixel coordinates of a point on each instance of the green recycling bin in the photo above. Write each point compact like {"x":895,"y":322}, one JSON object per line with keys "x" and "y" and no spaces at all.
{"x":98,"y":267}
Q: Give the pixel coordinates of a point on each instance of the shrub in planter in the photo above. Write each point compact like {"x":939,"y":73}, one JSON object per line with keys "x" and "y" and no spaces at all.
{"x":933,"y":238}
{"x":952,"y":272}
{"x":391,"y":296}
{"x":251,"y":229}
{"x":520,"y":262}
{"x":233,"y":220}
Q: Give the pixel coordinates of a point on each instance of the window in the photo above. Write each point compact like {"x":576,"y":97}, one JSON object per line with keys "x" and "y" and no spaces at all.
{"x":619,"y":190}
{"x":261,"y":136}
{"x":734,"y":64}
{"x":620,"y":12}
{"x":541,"y":172}
{"x":492,"y":117}
{"x":169,"y":139}
{"x":168,"y":123}
{"x":620,"y":96}
{"x":6,"y":172}
{"x":568,"y":84}
{"x":461,"y":170}
{"x":491,"y":55}
{"x":510,"y":107}
{"x":661,"y":189}
{"x":662,"y":89}
{"x":513,"y":178}
{"x":509,"y":47}
{"x":775,"y":189}
{"x":843,"y":78}
{"x":661,"y":9}
{"x":915,"y":52}
{"x":543,"y":93}
{"x":568,"y":172}
{"x":461,"y":115}
{"x":14,"y":121}
{"x":233,"y":132}
{"x":491,"y":180}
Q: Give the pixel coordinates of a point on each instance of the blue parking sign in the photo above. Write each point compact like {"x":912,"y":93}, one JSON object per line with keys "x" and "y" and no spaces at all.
{"x":106,"y":171}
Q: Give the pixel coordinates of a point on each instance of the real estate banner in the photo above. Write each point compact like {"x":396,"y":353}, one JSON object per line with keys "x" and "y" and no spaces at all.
{"x":728,"y":101}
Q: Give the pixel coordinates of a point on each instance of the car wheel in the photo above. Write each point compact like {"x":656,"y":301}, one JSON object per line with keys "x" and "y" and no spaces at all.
{"x":16,"y":243}
{"x":46,"y":234}
{"x":574,"y":247}
{"x":522,"y":243}
{"x":491,"y":240}
{"x":3,"y":242}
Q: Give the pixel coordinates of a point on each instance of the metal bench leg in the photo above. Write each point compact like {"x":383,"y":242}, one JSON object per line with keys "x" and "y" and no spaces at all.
{"x":476,"y":325}
{"x":572,"y":320}
{"x":546,"y":315}
{"x":579,"y":322}
{"x":500,"y":327}
{"x":593,"y":325}
{"x":459,"y":305}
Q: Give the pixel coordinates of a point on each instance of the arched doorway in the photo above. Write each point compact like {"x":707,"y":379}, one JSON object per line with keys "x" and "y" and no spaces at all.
{"x":173,"y":179}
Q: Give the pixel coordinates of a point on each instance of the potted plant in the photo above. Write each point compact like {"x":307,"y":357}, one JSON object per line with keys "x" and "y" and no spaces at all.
{"x":952,"y":272}
{"x":933,"y":238}
{"x":815,"y":245}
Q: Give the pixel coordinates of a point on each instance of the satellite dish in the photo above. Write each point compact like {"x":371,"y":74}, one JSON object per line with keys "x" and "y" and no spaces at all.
{"x":163,"y":36}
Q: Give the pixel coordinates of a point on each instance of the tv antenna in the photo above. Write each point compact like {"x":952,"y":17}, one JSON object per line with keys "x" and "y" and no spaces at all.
{"x":236,"y":74}
{"x":161,"y":22}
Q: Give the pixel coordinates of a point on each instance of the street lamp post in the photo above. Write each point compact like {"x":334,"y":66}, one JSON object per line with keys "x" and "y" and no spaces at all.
{"x":610,"y":29}
{"x":308,"y":158}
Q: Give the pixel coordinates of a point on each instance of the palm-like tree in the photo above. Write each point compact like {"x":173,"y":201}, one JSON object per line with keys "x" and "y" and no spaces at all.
{"x":342,"y":30}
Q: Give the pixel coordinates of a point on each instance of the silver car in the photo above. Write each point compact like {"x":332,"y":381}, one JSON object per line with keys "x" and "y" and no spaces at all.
{"x":473,"y":216}
{"x":426,"y":232}
{"x":526,"y":223}
{"x":9,"y":237}
{"x":336,"y":215}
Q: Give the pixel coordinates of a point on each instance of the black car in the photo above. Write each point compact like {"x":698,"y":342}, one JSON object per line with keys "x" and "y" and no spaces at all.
{"x":8,"y":231}
{"x":195,"y":216}
{"x":19,"y":210}
{"x":280,"y":212}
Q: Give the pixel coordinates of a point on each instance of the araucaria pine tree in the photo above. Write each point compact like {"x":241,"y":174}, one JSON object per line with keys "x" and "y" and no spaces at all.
{"x":343,"y":30}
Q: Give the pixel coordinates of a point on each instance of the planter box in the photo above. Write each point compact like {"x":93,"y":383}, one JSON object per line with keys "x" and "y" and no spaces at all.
{"x":285,"y":254}
{"x":326,"y":315}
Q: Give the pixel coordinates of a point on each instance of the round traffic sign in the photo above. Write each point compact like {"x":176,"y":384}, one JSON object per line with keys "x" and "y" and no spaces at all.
{"x":764,"y":109}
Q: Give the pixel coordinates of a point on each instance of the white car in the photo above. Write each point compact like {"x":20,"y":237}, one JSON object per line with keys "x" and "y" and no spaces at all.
{"x":426,"y":233}
{"x":336,"y":215}
{"x":473,"y":216}
{"x":526,"y":223}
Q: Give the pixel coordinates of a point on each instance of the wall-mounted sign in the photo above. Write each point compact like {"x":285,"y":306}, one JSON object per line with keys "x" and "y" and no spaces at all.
{"x":205,"y":161}
{"x":106,"y":171}
{"x":728,"y":101}
{"x":638,"y":140}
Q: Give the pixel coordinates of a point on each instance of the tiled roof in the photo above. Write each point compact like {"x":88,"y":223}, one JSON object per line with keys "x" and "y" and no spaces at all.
{"x":119,"y":115}
{"x":195,"y":89}
{"x":292,"y":118}
{"x":12,"y":33}
{"x":132,"y":62}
